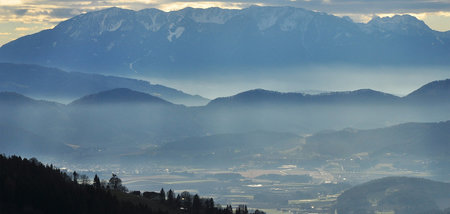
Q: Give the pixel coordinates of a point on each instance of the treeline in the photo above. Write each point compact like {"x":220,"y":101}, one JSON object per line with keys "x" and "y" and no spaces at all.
{"x":188,"y":203}
{"x":28,"y":186}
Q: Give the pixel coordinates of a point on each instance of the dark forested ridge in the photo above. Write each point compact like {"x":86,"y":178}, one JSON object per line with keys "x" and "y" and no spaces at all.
{"x":28,"y":186}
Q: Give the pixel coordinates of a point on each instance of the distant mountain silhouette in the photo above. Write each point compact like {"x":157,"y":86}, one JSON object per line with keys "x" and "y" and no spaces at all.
{"x":154,"y":42}
{"x":260,"y":96}
{"x":14,"y":99}
{"x":19,"y":118}
{"x":120,"y":96}
{"x":52,"y":83}
{"x":422,"y":139}
{"x":435,"y":92}
{"x":362,"y":109}
{"x":90,"y":123}
{"x":402,"y":195}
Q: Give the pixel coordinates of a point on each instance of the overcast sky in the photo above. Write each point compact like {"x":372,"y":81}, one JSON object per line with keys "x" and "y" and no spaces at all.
{"x":22,"y":17}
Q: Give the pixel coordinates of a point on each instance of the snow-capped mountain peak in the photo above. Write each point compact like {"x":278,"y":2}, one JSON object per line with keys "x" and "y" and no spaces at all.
{"x":123,"y":40}
{"x":399,"y":23}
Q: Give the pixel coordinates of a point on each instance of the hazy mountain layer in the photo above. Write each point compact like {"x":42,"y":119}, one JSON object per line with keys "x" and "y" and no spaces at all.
{"x":52,"y":83}
{"x":433,"y":92}
{"x":401,"y":195}
{"x":120,"y":96}
{"x":126,"y":122}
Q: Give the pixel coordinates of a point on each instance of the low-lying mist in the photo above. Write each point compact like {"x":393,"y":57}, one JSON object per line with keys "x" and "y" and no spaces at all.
{"x":220,"y":82}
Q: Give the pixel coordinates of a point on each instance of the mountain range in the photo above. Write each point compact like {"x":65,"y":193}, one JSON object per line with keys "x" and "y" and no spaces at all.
{"x":55,"y":84}
{"x":60,"y":102}
{"x":146,"y":119}
{"x":433,"y":92}
{"x":255,"y":127}
{"x":265,"y":97}
{"x":183,"y":42}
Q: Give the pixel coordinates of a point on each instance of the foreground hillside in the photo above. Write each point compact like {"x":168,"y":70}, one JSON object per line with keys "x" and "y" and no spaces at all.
{"x":30,"y":187}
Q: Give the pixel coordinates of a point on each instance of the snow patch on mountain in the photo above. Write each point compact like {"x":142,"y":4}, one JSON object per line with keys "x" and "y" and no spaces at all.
{"x":299,"y":19}
{"x":152,"y":19}
{"x":153,"y":25}
{"x":267,"y":22}
{"x":109,"y":27}
{"x":177,"y":33}
{"x":211,"y":15}
{"x":75,"y":34}
{"x":207,"y":18}
{"x":116,"y":26}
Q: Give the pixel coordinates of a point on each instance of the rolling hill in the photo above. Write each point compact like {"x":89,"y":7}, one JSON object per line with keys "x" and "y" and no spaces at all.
{"x":264,"y":97}
{"x":55,"y":84}
{"x":402,"y":195}
{"x":434,"y":92}
{"x":119,"y":96}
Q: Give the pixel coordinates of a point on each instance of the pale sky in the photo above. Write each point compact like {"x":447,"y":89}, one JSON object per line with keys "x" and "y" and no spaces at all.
{"x":23,"y":17}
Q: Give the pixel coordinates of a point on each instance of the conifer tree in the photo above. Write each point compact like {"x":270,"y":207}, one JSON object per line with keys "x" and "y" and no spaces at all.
{"x":178,"y":201}
{"x":209,"y":205}
{"x":75,"y":177}
{"x":229,"y":210}
{"x":97,"y":183}
{"x":162,"y":195}
{"x":170,"y":197}
{"x":196,"y":204}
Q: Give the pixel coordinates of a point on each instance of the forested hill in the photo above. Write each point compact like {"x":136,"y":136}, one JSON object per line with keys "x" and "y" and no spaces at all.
{"x":28,"y":186}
